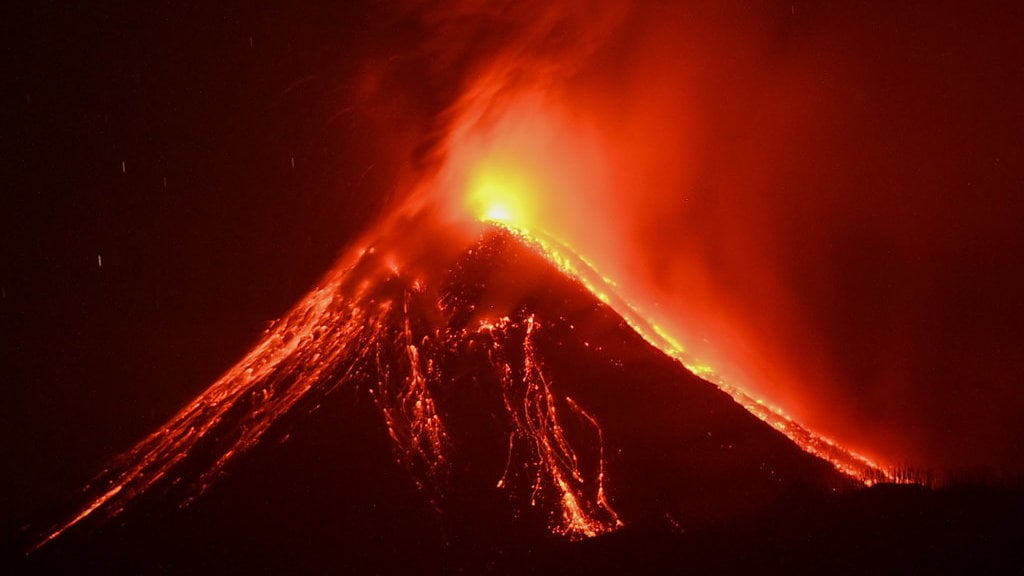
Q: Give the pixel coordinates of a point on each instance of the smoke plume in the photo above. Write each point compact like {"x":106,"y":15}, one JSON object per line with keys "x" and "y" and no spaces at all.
{"x":818,"y":202}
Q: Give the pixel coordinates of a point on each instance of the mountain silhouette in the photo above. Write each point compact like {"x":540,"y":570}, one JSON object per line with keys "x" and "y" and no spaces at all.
{"x":434,"y":400}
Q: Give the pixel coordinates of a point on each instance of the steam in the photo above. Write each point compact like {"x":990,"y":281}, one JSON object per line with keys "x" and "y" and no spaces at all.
{"x":735,"y":169}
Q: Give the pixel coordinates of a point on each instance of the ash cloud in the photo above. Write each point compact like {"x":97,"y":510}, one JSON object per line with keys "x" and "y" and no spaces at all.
{"x":821,"y":201}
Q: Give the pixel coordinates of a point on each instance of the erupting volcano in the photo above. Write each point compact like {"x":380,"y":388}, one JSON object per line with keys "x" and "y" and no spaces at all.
{"x":480,"y":352}
{"x":697,"y":282}
{"x":469,"y":322}
{"x":483,"y":343}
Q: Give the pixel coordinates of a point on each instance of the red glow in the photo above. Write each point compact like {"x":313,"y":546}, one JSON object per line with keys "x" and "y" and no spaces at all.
{"x":773,"y":191}
{"x":531,"y":157}
{"x":530,"y":150}
{"x":693,"y":167}
{"x":378,"y":320}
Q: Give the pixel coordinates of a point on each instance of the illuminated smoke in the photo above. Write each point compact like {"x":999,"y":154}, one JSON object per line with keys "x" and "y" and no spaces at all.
{"x":723,"y":164}
{"x":552,"y":143}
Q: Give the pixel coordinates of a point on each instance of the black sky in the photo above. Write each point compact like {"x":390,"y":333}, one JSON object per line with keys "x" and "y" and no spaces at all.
{"x":205,"y":234}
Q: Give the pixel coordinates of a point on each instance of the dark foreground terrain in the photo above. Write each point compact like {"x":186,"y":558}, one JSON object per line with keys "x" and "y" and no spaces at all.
{"x":886,"y":529}
{"x":701,"y":485}
{"x":882,"y":530}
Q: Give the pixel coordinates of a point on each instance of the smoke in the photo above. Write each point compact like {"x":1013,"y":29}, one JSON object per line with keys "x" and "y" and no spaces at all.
{"x":818,"y":202}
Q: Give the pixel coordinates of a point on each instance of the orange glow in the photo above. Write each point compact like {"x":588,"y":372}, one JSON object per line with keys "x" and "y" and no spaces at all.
{"x":372,"y":322}
{"x":558,"y":167}
{"x":500,"y":193}
{"x":671,"y":164}
{"x":517,"y":157}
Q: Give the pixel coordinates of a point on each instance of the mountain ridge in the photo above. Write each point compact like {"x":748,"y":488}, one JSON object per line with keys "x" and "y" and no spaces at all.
{"x":496,"y":379}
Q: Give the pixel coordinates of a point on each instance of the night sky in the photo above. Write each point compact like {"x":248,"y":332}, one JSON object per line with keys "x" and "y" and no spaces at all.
{"x":179,"y":175}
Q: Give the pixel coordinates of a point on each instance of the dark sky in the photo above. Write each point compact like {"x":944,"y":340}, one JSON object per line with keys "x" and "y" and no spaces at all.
{"x":217,"y":158}
{"x":206,"y":234}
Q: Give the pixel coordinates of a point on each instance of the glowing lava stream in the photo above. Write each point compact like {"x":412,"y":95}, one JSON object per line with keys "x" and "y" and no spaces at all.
{"x":568,"y":261}
{"x":376,"y":325}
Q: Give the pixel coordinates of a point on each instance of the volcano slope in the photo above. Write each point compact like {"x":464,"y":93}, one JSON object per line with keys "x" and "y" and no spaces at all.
{"x":434,"y":404}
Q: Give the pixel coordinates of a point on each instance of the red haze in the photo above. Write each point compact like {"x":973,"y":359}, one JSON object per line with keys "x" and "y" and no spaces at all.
{"x":822,"y":203}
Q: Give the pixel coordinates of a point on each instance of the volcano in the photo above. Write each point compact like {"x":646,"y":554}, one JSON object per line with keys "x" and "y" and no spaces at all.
{"x":439,"y":391}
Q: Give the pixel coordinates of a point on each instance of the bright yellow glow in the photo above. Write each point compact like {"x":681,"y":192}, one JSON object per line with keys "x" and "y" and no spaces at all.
{"x":500,"y":193}
{"x":499,"y":212}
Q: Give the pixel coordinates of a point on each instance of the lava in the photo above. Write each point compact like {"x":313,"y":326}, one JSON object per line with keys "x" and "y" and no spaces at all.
{"x":538,"y":430}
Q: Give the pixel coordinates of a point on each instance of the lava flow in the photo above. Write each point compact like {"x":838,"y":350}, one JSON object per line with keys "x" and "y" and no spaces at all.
{"x":846,"y":461}
{"x":387,"y":321}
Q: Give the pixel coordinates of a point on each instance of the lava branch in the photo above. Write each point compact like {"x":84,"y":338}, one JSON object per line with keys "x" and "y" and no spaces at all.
{"x":410,"y":412}
{"x":583,"y":510}
{"x":602,"y":500}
